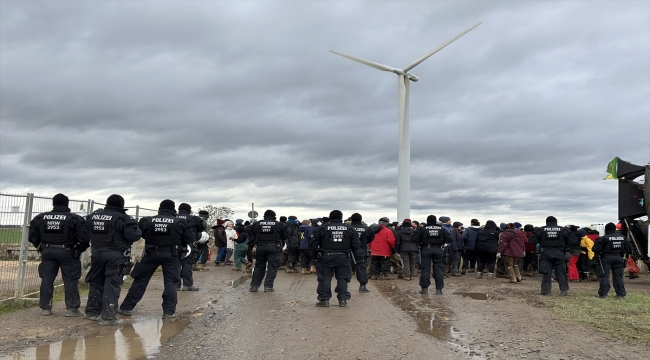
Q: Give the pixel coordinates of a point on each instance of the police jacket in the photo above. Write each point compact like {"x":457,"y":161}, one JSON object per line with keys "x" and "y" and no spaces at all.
{"x":195,"y":224}
{"x":268,"y":232}
{"x":403,"y":240}
{"x":165,"y":229}
{"x":335,"y":237}
{"x":111,"y":227}
{"x":553,"y":236}
{"x":431,"y":235}
{"x":487,"y":240}
{"x":58,"y":226}
{"x":366,"y":235}
{"x":613,"y":243}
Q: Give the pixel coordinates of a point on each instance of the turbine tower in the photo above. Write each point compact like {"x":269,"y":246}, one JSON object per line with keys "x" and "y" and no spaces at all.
{"x":404,"y":158}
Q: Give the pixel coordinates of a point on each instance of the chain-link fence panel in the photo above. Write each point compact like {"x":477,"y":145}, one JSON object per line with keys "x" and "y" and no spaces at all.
{"x":12,"y":216}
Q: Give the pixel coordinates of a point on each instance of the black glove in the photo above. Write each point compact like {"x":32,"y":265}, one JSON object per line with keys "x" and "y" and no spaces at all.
{"x":77,"y":249}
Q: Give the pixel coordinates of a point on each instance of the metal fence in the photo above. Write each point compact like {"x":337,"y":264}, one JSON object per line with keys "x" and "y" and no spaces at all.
{"x":19,"y":260}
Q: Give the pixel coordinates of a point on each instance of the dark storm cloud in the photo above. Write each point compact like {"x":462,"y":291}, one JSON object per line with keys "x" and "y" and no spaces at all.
{"x":231,"y":103}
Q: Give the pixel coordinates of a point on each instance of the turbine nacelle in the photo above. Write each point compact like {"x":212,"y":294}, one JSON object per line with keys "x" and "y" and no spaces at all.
{"x":412,"y":77}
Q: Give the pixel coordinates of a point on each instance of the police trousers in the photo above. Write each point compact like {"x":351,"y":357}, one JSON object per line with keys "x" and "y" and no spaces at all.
{"x":333,"y":265}
{"x":105,"y":278}
{"x":266,"y":254}
{"x":616,"y":264}
{"x":361,"y":269}
{"x":53,"y":258}
{"x":143,"y":271}
{"x":432,"y":256}
{"x":553,"y":259}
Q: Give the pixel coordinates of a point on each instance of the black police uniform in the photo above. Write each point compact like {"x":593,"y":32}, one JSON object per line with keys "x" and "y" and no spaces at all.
{"x":111,"y":234}
{"x":165,"y":235}
{"x":268,"y":236}
{"x":431,"y":238}
{"x":196,"y":226}
{"x":55,"y":233}
{"x":611,"y":247}
{"x":366,"y":236}
{"x":331,"y":248}
{"x":554,"y":241}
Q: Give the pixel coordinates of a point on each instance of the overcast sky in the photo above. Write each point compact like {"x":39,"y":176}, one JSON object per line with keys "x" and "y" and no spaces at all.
{"x":230,"y":103}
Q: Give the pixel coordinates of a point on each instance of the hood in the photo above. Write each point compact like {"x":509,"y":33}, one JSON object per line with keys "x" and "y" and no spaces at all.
{"x":490,"y":225}
{"x":303,"y":227}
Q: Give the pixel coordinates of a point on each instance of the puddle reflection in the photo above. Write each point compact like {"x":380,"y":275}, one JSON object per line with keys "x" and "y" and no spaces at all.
{"x":475,"y":296}
{"x":130,"y":341}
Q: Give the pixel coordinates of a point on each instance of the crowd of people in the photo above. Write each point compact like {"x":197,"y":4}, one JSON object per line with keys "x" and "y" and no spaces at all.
{"x":327,"y":246}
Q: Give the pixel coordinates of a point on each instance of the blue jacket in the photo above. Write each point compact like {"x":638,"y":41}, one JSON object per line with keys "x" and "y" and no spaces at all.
{"x":447,"y":227}
{"x":456,"y":240}
{"x":469,"y":237}
{"x":305,"y":232}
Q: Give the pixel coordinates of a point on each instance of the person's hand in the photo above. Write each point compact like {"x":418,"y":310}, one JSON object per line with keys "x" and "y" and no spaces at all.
{"x":524,"y":254}
{"x":498,"y":255}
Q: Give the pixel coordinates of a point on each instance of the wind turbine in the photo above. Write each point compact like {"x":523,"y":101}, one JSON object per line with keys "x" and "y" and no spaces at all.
{"x":404,"y":157}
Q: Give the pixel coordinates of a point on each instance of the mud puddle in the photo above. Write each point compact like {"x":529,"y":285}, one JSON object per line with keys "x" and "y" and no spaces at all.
{"x":432,"y":317}
{"x":475,"y":296}
{"x":137,"y":340}
{"x":240,"y":280}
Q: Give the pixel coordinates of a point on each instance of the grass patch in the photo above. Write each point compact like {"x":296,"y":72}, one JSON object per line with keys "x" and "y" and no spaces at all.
{"x":9,"y":306}
{"x":10,"y":236}
{"x":628,"y":318}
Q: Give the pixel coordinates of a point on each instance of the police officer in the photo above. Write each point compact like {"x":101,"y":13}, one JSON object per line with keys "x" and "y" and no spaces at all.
{"x":165,"y":236}
{"x":196,"y":226}
{"x":431,"y":238}
{"x":366,"y":236}
{"x":610,"y":249}
{"x":553,"y":242}
{"x":331,"y":247}
{"x":203,"y":246}
{"x":111,"y":234}
{"x":60,"y":237}
{"x":268,"y":236}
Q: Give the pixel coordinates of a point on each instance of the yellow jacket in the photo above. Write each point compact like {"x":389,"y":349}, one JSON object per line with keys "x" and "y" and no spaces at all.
{"x":587,"y":243}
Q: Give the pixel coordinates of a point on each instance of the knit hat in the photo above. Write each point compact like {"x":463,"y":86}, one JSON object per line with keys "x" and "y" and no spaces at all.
{"x":239,"y":221}
{"x":283,"y":218}
{"x":336,"y":215}
{"x":457,"y":224}
{"x":517,"y":225}
{"x":293,"y":217}
{"x":502,"y":226}
{"x":610,"y":227}
{"x":406,"y":222}
{"x":431,"y":219}
{"x":619,"y":226}
{"x":115,"y":200}
{"x":292,"y":221}
{"x":529,"y":227}
{"x":204,"y":214}
{"x":326,"y":219}
{"x":306,"y":222}
{"x":385,"y":220}
{"x":269,"y":213}
{"x":551,"y":219}
{"x":167,"y":204}
{"x":220,"y":222}
{"x":474,"y":222}
{"x":60,"y":200}
{"x":184,"y":206}
{"x":582,"y":232}
{"x":444,"y":219}
{"x":356,"y":217}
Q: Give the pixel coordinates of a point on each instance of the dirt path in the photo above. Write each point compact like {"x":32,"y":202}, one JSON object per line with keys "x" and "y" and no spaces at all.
{"x":393,"y":321}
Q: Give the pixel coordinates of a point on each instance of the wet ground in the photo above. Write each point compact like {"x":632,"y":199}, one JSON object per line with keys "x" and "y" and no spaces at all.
{"x":474,"y":319}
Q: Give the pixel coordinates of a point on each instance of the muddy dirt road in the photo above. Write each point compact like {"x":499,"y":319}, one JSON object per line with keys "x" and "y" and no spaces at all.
{"x":474,"y":319}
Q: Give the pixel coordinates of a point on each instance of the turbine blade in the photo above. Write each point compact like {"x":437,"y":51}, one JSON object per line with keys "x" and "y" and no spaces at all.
{"x":426,"y":56}
{"x":366,"y":62}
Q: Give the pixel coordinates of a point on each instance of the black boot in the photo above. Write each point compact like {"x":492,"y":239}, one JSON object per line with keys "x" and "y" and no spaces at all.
{"x":363,"y":288}
{"x":424,"y":291}
{"x":438,"y":291}
{"x":343,"y":303}
{"x":323,"y":303}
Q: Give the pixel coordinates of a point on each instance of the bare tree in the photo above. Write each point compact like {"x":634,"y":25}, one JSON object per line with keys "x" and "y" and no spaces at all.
{"x":220,"y":212}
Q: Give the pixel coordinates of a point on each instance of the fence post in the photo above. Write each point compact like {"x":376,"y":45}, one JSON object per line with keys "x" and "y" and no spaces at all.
{"x":84,"y":255}
{"x":137,"y":219}
{"x":24,"y":247}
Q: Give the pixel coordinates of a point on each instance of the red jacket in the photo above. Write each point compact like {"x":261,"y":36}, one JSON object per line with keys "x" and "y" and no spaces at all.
{"x":383,"y":242}
{"x":511,"y":243}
